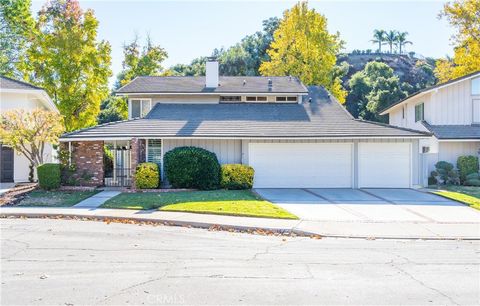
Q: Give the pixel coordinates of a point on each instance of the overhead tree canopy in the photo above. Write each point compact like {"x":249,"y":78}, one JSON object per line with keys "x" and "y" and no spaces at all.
{"x":303,"y":47}
{"x":464,"y":16}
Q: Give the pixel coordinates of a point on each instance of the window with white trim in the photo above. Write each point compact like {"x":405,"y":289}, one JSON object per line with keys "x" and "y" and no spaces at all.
{"x":419,"y":112}
{"x":286,"y":99}
{"x":256,"y":99}
{"x":140,"y":107}
{"x":476,"y":86}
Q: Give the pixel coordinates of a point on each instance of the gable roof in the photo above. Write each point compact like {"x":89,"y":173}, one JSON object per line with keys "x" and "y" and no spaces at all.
{"x":454,"y":131}
{"x":227,"y":84}
{"x":323,"y":117}
{"x":429,"y":89}
{"x":9,"y":83}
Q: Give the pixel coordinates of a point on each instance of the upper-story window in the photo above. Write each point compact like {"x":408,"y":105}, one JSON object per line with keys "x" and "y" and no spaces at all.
{"x":286,"y":99}
{"x":476,"y":86}
{"x":140,"y":107}
{"x":256,"y":99}
{"x":230,"y":99}
{"x":419,"y":112}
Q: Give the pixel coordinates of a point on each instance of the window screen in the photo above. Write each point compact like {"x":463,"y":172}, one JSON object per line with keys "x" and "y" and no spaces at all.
{"x":419,"y":112}
{"x":136,"y":108}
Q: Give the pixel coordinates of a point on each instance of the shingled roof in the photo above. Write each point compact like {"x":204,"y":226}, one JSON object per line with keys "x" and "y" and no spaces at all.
{"x":8,"y":83}
{"x":227,"y":84}
{"x":454,"y":131}
{"x":319,"y":116}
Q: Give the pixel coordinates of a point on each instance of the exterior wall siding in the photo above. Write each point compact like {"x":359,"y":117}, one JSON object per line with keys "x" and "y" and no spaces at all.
{"x":450,"y":151}
{"x":228,"y":151}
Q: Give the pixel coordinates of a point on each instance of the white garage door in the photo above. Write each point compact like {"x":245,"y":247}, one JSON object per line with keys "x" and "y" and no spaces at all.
{"x":384,"y":165}
{"x":301,"y":165}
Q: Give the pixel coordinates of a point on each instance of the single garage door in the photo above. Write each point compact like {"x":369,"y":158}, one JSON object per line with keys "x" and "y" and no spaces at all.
{"x":301,"y":165}
{"x":384,"y":165}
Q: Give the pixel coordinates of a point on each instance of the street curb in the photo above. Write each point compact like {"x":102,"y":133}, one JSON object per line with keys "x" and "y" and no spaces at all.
{"x":221,"y":227}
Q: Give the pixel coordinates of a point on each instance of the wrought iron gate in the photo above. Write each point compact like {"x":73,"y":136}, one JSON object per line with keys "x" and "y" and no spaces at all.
{"x":116,"y":165}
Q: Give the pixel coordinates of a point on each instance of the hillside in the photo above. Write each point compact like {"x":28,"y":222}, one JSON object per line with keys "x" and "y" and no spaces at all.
{"x":418,"y":72}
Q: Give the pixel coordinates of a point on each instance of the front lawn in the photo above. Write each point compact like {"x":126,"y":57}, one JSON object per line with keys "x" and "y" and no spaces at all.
{"x":466,"y":194}
{"x":55,"y":198}
{"x":222,"y":202}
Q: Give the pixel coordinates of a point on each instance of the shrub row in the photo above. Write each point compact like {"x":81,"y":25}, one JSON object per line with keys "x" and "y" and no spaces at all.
{"x":467,"y":172}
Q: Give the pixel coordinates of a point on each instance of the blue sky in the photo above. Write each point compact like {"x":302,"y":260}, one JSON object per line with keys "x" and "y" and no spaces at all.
{"x":187,"y":29}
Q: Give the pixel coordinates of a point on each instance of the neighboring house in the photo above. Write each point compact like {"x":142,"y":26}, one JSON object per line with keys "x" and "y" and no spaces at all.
{"x":20,"y":95}
{"x":450,"y":111}
{"x":293,"y":136}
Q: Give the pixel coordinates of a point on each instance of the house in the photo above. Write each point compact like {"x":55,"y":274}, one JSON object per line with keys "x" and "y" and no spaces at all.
{"x":16,"y":94}
{"x":450,"y":111}
{"x":293,"y":136}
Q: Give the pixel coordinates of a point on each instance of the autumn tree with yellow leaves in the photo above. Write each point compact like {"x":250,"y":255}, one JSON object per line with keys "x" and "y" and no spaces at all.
{"x":464,"y":15}
{"x":304,"y":48}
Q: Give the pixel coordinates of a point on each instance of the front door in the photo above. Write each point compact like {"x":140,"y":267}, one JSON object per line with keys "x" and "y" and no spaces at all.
{"x":6,"y":164}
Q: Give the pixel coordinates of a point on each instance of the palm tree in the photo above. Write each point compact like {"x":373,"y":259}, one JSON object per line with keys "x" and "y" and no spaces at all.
{"x":391,"y":38}
{"x":402,"y":40}
{"x":378,"y":38}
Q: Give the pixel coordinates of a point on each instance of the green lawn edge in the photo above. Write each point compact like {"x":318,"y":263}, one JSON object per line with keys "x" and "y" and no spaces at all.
{"x":459,"y":197}
{"x":232,"y":202}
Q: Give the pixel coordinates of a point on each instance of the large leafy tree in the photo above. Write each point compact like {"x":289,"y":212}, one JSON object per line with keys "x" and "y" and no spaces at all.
{"x":464,"y":16}
{"x":64,"y":57}
{"x":27,"y":132}
{"x":16,"y":22}
{"x":303,"y":47}
{"x":372,"y":89}
{"x":138,"y":60}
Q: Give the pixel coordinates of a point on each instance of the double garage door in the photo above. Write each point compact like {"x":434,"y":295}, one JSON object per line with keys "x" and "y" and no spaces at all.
{"x":330,"y":165}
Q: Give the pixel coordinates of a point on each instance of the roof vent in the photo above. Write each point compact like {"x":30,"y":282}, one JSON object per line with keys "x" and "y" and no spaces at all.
{"x":270,"y":84}
{"x":309,"y":100}
{"x":244,"y":82}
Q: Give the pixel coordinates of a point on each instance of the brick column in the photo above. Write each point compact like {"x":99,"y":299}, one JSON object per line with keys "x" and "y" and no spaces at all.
{"x":87,"y":156}
{"x":137,"y":155}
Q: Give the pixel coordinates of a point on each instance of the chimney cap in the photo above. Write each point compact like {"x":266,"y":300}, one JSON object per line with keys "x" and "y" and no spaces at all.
{"x":211,"y":59}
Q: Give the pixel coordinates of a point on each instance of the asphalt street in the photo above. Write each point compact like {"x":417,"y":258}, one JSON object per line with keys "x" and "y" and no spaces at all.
{"x":66,"y":262}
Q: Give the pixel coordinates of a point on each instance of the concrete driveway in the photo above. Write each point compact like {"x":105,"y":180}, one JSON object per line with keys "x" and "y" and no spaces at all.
{"x":370,"y":205}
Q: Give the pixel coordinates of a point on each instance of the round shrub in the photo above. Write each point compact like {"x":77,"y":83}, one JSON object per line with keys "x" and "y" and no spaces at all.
{"x":192,"y":167}
{"x":237,"y":176}
{"x":467,"y":165}
{"x":473,"y":182}
{"x":49,"y":176}
{"x":147,"y":176}
{"x":473,"y":176}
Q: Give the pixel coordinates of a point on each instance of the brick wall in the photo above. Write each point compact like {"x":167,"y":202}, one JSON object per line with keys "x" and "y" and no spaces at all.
{"x":87,"y":156}
{"x":138,"y":152}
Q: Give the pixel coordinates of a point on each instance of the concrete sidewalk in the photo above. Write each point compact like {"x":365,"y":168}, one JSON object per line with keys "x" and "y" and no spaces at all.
{"x":97,"y":200}
{"x":353,"y":229}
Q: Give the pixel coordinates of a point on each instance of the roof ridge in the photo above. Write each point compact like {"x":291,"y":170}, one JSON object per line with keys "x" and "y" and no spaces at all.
{"x":21,"y":82}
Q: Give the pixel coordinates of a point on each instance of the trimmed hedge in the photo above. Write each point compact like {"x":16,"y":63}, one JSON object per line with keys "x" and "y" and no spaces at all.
{"x":192,"y":167}
{"x":49,"y":176}
{"x":236,"y":176}
{"x":147,"y":176}
{"x":467,"y":165}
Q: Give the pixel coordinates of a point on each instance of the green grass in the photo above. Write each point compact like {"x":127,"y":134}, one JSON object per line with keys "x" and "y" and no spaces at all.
{"x":55,"y":198}
{"x":222,"y":202}
{"x":466,"y":194}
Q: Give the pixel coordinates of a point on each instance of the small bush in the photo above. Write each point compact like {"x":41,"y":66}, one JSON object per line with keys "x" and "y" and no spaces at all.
{"x":236,"y":176}
{"x":192,"y":167}
{"x":473,"y":182}
{"x":147,"y":176}
{"x":445,"y":173}
{"x":49,"y":176}
{"x":467,"y":165}
{"x":473,"y":176}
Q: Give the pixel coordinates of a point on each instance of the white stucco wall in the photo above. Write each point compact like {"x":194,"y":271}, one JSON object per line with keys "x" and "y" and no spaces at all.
{"x":21,"y":164}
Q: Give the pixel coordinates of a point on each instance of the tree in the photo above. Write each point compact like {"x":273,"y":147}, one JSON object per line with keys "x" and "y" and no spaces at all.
{"x":65,"y":58}
{"x":113,"y":108}
{"x":402,"y":41}
{"x":372,"y":89}
{"x":379,"y":38}
{"x":391,"y":39}
{"x":139,"y":60}
{"x":16,"y":22}
{"x":304,"y":48}
{"x":464,"y":16}
{"x":27,"y":132}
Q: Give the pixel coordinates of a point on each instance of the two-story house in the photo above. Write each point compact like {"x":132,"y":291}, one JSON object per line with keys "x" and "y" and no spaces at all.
{"x":293,"y":136}
{"x":450,"y":111}
{"x":15,"y":94}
